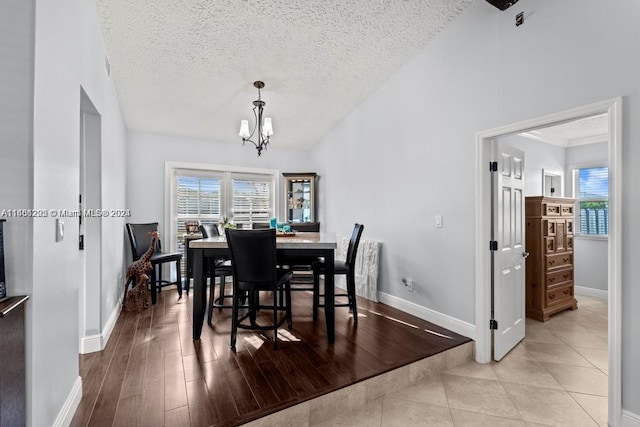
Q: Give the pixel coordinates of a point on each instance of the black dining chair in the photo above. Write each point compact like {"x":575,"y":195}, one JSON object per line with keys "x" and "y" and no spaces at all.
{"x":222,"y":268}
{"x":346,"y":267}
{"x":255,"y":270}
{"x":140,"y":243}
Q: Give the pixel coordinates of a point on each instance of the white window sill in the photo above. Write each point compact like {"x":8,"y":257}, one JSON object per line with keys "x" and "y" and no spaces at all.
{"x":591,"y":237}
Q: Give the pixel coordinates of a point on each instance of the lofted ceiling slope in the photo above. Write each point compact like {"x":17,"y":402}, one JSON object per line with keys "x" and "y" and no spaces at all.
{"x":186,"y":67}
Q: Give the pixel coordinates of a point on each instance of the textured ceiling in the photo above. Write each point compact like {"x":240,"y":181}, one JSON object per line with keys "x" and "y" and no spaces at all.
{"x":186,"y":67}
{"x":588,"y":130}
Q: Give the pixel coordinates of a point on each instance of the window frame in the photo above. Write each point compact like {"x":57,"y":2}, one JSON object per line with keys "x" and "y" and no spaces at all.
{"x":226,"y":173}
{"x":575,"y":191}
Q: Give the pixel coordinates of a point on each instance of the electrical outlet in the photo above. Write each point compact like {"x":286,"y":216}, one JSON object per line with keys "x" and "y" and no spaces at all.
{"x":408,"y":283}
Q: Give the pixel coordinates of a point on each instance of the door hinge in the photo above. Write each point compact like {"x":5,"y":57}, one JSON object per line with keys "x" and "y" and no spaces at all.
{"x":493,"y":324}
{"x":493,"y":166}
{"x":493,"y":245}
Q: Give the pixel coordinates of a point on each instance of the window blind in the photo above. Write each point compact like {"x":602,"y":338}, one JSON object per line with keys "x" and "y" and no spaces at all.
{"x":251,"y":200}
{"x":591,"y":188}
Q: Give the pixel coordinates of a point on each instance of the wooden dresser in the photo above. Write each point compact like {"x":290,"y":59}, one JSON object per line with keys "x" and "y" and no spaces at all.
{"x":549,"y":267}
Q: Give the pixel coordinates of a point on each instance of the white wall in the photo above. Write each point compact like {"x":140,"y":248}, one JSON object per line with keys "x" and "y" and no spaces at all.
{"x":408,"y":151}
{"x":16,"y":142}
{"x":69,"y":54}
{"x":147,"y":154}
{"x":538,"y":156}
{"x":590,"y":254}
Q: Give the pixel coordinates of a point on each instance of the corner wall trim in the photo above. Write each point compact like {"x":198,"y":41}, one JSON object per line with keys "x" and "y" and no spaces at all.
{"x":591,"y":292}
{"x":70,"y":406}
{"x":456,"y":325}
{"x":93,"y":343}
{"x":629,"y":419}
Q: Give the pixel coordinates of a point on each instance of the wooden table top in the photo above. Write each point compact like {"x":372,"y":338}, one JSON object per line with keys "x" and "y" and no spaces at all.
{"x":299,"y":241}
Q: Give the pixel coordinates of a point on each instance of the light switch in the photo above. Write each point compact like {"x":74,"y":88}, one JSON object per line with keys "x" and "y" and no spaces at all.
{"x":438,"y":221}
{"x":59,"y":230}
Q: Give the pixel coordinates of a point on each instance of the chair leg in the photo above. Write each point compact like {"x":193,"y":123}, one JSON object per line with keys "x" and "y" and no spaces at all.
{"x":288,"y":308}
{"x":223,"y":283}
{"x":179,"y":280}
{"x":275,"y":319}
{"x":212,"y":289}
{"x":252,"y":307}
{"x":316,"y":294}
{"x":154,"y":286}
{"x":351,"y":290}
{"x":234,"y":324}
{"x":159,"y":278}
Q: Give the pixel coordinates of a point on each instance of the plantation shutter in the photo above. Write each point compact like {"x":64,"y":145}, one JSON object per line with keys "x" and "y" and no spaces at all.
{"x":251,"y":199}
{"x":197,"y":200}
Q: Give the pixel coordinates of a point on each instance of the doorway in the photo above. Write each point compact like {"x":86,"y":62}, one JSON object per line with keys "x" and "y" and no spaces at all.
{"x":90,"y":245}
{"x":613,"y":109}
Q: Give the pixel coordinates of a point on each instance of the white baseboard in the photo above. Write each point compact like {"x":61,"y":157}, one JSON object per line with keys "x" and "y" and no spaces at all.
{"x":590,"y":292}
{"x":629,"y":419}
{"x":93,"y":343}
{"x":70,"y":405}
{"x":456,"y":325}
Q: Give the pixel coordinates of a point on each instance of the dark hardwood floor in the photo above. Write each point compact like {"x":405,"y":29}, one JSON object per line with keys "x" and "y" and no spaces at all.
{"x":152,"y":373}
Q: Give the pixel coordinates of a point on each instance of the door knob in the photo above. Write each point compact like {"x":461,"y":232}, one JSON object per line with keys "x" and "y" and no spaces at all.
{"x":525,"y":254}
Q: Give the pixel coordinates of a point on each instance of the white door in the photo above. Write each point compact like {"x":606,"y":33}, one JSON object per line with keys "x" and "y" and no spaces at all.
{"x":509,"y":254}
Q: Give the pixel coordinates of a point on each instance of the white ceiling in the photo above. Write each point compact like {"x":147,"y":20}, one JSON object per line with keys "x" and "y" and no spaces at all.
{"x":588,"y":130}
{"x":187,"y":67}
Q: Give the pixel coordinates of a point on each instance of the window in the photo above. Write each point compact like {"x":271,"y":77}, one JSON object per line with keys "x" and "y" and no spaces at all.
{"x":206,"y":195}
{"x":198,"y":198}
{"x":591,"y":188}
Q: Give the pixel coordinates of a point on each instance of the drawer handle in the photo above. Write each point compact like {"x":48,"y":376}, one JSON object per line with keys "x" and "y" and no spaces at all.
{"x":552,"y":279}
{"x":566,"y":291}
{"x":552,"y":296}
{"x":566,"y":276}
{"x":553,"y":261}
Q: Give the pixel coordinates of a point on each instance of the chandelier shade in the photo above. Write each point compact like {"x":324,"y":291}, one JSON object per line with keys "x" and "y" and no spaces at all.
{"x":263,"y":126}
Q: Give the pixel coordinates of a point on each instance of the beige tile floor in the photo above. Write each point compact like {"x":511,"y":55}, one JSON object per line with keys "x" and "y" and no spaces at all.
{"x":556,"y":376}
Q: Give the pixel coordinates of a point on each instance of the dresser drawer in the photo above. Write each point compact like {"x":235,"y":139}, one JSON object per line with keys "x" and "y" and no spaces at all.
{"x":559,"y":294}
{"x":554,"y":262}
{"x":551,"y":209}
{"x":559,"y":277}
{"x":566,"y":210}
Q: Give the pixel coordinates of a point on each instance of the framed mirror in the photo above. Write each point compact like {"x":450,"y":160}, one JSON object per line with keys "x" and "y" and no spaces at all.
{"x":552,"y":183}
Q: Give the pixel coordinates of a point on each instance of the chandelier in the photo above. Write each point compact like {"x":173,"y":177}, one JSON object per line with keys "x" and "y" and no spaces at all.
{"x":264,"y":128}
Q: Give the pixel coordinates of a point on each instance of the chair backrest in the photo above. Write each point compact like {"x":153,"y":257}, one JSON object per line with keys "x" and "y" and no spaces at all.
{"x":260,"y":225}
{"x":353,"y":243}
{"x":140,"y":239}
{"x":253,"y":255}
{"x":209,"y":230}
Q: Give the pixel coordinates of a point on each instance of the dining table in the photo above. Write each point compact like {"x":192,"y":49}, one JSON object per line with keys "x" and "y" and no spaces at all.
{"x":298,"y":244}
